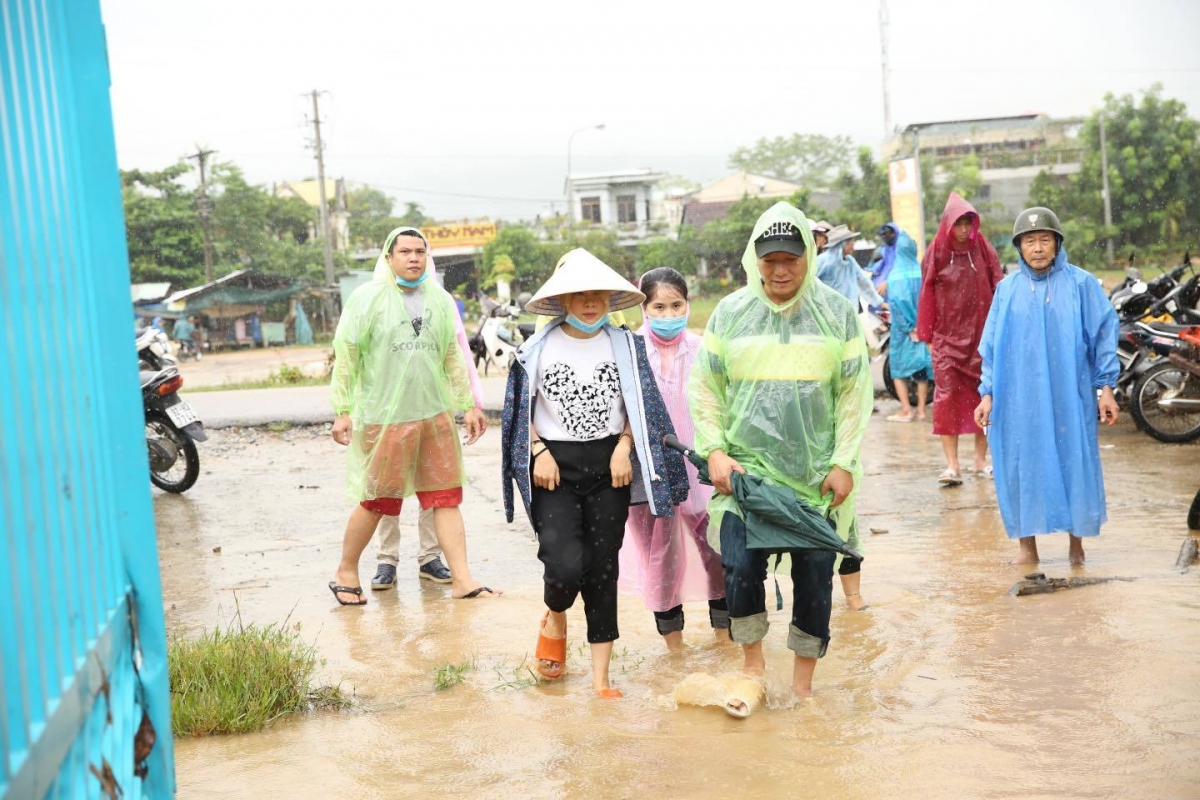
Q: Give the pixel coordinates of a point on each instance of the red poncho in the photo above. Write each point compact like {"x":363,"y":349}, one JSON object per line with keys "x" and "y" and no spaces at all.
{"x":957,"y":284}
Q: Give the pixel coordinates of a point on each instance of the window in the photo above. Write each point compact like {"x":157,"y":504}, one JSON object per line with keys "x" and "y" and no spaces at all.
{"x":589,"y":209}
{"x":626,"y":208}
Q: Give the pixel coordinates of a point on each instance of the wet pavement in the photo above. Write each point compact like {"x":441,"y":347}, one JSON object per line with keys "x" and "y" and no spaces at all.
{"x":946,"y":687}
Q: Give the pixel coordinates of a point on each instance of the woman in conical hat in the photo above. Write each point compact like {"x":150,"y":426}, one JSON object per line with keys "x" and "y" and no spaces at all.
{"x":582,"y":439}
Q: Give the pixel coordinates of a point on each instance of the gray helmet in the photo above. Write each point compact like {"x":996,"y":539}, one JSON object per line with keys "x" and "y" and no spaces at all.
{"x":1038,"y":218}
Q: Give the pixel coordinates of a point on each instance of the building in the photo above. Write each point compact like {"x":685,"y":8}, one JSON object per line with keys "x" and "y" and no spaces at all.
{"x":713,"y":201}
{"x":631,"y":201}
{"x":335,"y":195}
{"x":1011,"y":151}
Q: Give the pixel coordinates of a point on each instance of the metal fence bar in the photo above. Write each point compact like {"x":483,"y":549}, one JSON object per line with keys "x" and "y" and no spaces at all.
{"x":82,"y":676}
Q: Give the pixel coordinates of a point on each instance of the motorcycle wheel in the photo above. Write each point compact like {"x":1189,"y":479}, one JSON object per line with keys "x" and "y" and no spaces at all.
{"x":1194,"y":514}
{"x":182,"y":474}
{"x":1160,"y":381}
{"x":890,"y":384}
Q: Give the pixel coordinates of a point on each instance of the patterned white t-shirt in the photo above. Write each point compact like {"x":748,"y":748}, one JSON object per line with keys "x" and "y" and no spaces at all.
{"x":579,"y":390}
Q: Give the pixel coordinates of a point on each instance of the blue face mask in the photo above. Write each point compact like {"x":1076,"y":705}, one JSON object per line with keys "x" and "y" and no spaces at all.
{"x":668,"y":327}
{"x":579,"y":325}
{"x":412,"y":284}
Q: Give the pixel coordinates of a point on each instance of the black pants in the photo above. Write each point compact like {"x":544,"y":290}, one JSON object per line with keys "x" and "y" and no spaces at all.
{"x":671,"y":620}
{"x":579,"y":527}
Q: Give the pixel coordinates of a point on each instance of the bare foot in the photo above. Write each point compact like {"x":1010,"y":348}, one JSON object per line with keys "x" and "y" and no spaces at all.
{"x":674,"y":640}
{"x":721,"y":635}
{"x":1075,"y":552}
{"x":755,"y":664}
{"x":856,"y":602}
{"x":1028,"y":553}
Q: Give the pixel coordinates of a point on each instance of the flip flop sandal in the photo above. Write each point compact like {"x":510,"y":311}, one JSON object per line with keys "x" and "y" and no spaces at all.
{"x":354,"y":590}
{"x":609,"y":694}
{"x":950,"y":478}
{"x":550,"y":648}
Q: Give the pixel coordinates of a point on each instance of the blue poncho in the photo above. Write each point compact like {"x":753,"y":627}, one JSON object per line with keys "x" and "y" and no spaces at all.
{"x":843,"y":274}
{"x":883,"y":267}
{"x":1049,"y":343}
{"x":908,"y":358}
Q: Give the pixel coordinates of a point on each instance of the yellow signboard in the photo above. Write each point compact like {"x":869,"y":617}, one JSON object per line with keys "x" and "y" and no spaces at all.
{"x":906,"y":200}
{"x":467,"y":234}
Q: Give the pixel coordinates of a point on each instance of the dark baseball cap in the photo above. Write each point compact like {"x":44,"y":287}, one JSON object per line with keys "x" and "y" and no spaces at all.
{"x":780,"y":237}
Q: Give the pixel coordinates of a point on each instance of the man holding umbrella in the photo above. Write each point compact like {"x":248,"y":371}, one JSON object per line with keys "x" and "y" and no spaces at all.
{"x":781,"y":389}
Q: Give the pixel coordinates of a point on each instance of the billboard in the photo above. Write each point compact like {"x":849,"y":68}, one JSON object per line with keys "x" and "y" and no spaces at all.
{"x":467,"y":234}
{"x":905,"y":186}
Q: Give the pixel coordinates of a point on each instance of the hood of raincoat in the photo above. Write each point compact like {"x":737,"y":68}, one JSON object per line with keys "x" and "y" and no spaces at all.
{"x":383,"y":270}
{"x":780,"y":212}
{"x":906,"y":249}
{"x":956,"y":206}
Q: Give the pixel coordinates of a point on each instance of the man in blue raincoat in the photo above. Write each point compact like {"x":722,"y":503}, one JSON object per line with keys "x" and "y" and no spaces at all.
{"x":1049,"y":345}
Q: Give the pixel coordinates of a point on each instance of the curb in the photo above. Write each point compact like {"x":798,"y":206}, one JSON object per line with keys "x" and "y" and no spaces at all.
{"x":302,"y":420}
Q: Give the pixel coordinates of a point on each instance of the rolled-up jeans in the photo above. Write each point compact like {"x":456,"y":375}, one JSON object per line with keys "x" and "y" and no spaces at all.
{"x":746,"y":594}
{"x":388,"y":533}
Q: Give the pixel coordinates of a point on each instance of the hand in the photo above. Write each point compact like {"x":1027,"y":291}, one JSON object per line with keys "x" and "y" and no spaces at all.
{"x":342,"y":428}
{"x":983,"y":412}
{"x":882,"y":288}
{"x":476,"y":424}
{"x":620,"y":465}
{"x":884,"y":306}
{"x":545,"y":470}
{"x":840,"y":482}
{"x":912,"y":336}
{"x":1109,"y":410}
{"x":720,"y":468}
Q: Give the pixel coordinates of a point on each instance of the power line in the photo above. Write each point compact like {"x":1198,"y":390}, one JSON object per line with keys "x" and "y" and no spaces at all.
{"x":412,"y":190}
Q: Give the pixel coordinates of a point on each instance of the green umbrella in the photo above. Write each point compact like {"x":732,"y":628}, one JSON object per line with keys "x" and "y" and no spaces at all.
{"x":776,"y":519}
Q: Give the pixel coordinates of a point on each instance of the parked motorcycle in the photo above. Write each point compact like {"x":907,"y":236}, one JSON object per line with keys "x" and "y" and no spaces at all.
{"x":498,"y":337}
{"x":154,"y":350}
{"x":172,"y":430}
{"x":1165,"y":400}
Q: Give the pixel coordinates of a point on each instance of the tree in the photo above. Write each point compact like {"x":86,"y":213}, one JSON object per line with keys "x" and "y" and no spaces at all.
{"x":807,"y":158}
{"x":682,"y":255}
{"x":370,"y":216}
{"x":866,"y":197}
{"x":531,"y":261}
{"x":413,"y":216}
{"x":1153,"y":176}
{"x":162,"y":227}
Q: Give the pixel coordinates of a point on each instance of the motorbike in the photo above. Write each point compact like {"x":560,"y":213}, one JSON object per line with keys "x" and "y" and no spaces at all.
{"x":498,"y":337}
{"x":154,"y":350}
{"x":172,"y":430}
{"x":878,"y":330}
{"x":189,"y":349}
{"x":1140,"y":299}
{"x":1165,"y":399}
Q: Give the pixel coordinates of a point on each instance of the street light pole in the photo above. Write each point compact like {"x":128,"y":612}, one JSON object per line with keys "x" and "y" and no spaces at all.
{"x":570,"y":139}
{"x":1107,"y":197}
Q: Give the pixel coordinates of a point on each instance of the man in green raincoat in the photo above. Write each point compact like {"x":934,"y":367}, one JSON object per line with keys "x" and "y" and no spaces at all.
{"x":398,"y":378}
{"x":781,"y":389}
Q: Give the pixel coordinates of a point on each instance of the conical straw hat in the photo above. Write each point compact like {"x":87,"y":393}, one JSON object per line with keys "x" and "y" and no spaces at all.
{"x":580,"y":271}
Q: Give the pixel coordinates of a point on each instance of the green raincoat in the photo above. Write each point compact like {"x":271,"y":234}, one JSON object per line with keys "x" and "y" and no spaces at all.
{"x":388,"y":375}
{"x":785,"y":389}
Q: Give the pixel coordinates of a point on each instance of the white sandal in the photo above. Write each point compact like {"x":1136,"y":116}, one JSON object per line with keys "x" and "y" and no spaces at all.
{"x":950,"y":478}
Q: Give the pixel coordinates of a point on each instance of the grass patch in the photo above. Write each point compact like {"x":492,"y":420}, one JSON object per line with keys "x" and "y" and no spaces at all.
{"x":240,"y":678}
{"x":286,"y":377}
{"x":448,"y":675}
{"x":279,"y":427}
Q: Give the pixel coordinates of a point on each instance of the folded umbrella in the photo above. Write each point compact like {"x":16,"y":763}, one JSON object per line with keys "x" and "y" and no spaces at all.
{"x":776,"y":519}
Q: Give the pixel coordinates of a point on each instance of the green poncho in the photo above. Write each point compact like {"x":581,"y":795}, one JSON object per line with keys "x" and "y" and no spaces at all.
{"x":389,"y":372}
{"x":786,"y":390}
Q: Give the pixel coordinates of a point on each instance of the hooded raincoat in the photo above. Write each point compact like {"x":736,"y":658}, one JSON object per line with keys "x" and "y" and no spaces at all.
{"x":785,"y":389}
{"x":883,"y":268}
{"x":843,"y":274}
{"x":392,"y":370}
{"x":956,"y":291}
{"x":908,"y":358}
{"x":667,"y":560}
{"x":1049,"y":343}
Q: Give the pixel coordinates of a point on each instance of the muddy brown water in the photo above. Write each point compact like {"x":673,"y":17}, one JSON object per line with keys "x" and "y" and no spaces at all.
{"x":946,"y":687}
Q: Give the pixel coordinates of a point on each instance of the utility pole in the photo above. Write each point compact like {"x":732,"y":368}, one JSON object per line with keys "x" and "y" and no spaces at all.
{"x":321,"y":192}
{"x":1104,"y":184}
{"x":883,"y":41}
{"x":201,"y":157}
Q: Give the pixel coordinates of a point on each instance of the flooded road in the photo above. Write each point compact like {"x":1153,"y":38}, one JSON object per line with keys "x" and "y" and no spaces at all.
{"x":946,"y":687}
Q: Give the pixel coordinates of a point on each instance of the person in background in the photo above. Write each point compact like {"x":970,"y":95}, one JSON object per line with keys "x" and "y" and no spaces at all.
{"x":837,"y":269}
{"x":908,"y":357}
{"x":1048,"y":348}
{"x":668,"y":560}
{"x":958,"y":278}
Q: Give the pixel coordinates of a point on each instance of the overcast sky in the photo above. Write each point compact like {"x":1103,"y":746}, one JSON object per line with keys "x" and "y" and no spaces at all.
{"x":466,"y":107}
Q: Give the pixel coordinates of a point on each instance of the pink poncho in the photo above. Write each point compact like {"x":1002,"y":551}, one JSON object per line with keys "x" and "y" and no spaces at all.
{"x":668,"y":561}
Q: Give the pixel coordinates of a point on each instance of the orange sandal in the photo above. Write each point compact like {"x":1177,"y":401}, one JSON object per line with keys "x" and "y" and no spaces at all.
{"x":550,"y":648}
{"x":609,"y":694}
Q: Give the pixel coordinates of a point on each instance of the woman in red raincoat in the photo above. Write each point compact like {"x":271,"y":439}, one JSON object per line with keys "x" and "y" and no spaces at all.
{"x":959,"y":275}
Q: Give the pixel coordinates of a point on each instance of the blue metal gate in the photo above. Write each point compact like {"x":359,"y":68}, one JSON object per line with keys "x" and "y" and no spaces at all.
{"x":83,"y":691}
